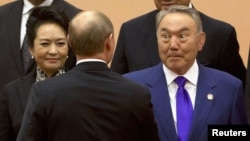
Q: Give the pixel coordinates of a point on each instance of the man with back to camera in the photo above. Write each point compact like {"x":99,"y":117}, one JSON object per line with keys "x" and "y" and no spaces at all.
{"x":89,"y":102}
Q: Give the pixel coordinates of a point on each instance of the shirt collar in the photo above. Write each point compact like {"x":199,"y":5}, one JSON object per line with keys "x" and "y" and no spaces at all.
{"x":191,"y":75}
{"x":40,"y":75}
{"x":190,"y":5}
{"x":27,"y":5}
{"x":90,"y":60}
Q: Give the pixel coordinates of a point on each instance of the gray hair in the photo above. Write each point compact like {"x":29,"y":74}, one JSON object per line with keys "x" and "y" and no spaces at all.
{"x":194,"y":14}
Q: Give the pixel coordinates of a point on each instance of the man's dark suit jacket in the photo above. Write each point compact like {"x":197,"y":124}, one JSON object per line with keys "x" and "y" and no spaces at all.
{"x":137,"y":46}
{"x":12,"y":105}
{"x":226,"y":107}
{"x":247,"y":90}
{"x":10,"y":22}
{"x":88,"y":103}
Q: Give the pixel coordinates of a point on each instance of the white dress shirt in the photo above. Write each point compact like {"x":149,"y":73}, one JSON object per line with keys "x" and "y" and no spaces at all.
{"x":89,"y":60}
{"x":190,"y":86}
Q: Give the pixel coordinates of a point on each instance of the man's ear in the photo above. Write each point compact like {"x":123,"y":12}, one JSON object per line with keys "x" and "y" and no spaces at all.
{"x":68,"y":40}
{"x":109,"y":46}
{"x":110,"y":42}
{"x":202,"y":39}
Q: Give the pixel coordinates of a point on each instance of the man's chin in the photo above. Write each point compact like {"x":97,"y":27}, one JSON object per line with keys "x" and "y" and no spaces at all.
{"x":165,"y":7}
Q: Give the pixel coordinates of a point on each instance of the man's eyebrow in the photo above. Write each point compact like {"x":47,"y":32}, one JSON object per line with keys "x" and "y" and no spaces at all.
{"x":163,"y":29}
{"x":181,"y":30}
{"x":185,"y":29}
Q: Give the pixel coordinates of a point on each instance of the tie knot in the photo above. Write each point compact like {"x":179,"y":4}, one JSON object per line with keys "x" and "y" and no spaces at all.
{"x":180,"y":81}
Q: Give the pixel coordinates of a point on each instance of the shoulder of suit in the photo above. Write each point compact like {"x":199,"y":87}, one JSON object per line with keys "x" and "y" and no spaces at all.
{"x":142,"y":18}
{"x":214,"y":21}
{"x":220,"y":75}
{"x":70,"y":6}
{"x":4,"y":8}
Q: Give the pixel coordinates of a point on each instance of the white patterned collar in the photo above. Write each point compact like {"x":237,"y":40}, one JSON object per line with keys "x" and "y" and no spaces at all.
{"x":40,"y":75}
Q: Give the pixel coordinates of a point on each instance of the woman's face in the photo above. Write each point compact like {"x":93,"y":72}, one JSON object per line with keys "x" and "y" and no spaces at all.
{"x":50,"y":49}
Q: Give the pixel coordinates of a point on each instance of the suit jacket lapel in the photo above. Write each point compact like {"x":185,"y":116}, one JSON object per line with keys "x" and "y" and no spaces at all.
{"x":150,"y":41}
{"x":203,"y":105}
{"x":13,"y":20}
{"x":24,"y":87}
{"x":161,"y":102}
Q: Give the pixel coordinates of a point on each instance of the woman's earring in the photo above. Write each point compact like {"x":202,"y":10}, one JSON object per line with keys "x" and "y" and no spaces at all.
{"x":32,"y":57}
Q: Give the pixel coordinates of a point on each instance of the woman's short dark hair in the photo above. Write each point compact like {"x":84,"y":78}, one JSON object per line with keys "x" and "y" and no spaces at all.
{"x":43,"y":15}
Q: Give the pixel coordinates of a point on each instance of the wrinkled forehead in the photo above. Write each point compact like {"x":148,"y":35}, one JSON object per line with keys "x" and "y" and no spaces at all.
{"x":177,"y":20}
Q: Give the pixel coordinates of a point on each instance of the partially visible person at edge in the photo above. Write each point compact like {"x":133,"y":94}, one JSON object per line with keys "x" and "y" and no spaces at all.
{"x":90,"y":102}
{"x":47,"y":31}
{"x":13,"y":17}
{"x":215,"y":97}
{"x":247,"y":88}
{"x":137,"y":44}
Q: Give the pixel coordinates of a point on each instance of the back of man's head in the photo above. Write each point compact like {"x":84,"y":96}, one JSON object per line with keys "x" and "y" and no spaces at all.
{"x":88,"y":31}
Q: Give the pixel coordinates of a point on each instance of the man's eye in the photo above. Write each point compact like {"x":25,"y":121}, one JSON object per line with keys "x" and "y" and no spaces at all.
{"x":166,"y":36}
{"x":183,"y":36}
